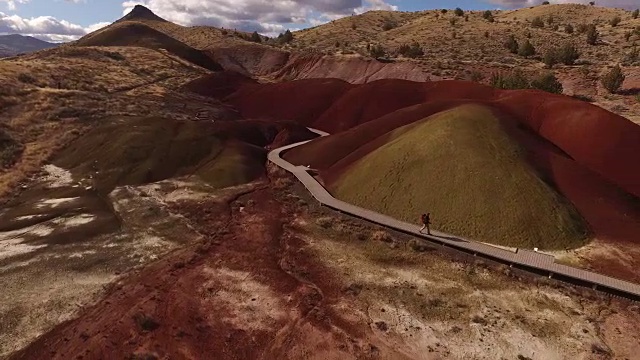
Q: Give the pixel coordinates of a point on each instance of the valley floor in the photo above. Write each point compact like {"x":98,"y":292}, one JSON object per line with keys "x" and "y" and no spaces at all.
{"x":260,"y":271}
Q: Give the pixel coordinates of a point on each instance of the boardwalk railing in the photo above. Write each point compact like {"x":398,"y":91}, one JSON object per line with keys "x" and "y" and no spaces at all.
{"x":532,"y":261}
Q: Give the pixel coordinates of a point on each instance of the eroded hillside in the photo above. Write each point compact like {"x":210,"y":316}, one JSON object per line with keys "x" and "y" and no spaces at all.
{"x":141,"y":219}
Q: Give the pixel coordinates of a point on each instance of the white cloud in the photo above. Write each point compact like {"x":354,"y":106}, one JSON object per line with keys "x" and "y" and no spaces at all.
{"x":98,"y":26}
{"x":625,"y":4}
{"x":44,"y":27}
{"x":265,"y":16}
{"x":11,"y":4}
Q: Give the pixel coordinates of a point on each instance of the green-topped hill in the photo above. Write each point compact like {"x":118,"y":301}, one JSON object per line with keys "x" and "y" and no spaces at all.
{"x":463,"y":167}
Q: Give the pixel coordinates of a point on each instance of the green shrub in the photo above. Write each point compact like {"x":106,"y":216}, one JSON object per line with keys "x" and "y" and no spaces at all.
{"x":526,"y":49}
{"x":255,"y":37}
{"x":26,"y":78}
{"x":568,"y":29}
{"x":389,"y":24}
{"x":377,"y":51}
{"x":545,"y":3}
{"x":632,"y":57}
{"x":547,"y":82}
{"x":537,"y":22}
{"x":458,"y":12}
{"x":411,"y":51}
{"x":612,"y":81}
{"x":510,"y":80}
{"x":444,"y":11}
{"x":114,"y":55}
{"x":615,"y":21}
{"x":487,"y":15}
{"x":511,"y":44}
{"x":476,"y":76}
{"x":568,"y":54}
{"x":582,"y":28}
{"x":516,"y":79}
{"x":550,"y":58}
{"x":550,"y":20}
{"x":635,"y":13}
{"x":285,"y":38}
{"x":592,"y":35}
{"x":583,"y":98}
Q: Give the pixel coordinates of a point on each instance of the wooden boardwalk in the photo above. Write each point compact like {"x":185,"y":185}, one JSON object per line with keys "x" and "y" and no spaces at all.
{"x":520,"y":258}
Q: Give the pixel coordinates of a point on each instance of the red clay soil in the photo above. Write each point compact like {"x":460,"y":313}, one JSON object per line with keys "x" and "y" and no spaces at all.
{"x":587,"y":152}
{"x":302,"y":101}
{"x":219,"y":84}
{"x":612,"y":213}
{"x":179,"y":307}
{"x":603,"y":142}
{"x":261,"y":132}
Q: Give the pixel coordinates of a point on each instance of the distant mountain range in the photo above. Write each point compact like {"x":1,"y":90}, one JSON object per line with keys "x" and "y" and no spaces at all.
{"x":14,"y":44}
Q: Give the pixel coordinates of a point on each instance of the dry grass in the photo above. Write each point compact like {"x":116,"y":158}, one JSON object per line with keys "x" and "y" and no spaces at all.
{"x":199,"y":37}
{"x":423,"y":302}
{"x":470,"y":43}
{"x":477,"y":46}
{"x":55,"y":95}
{"x":437,"y":167}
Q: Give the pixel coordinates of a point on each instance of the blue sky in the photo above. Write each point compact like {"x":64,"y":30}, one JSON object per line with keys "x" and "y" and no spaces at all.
{"x":63,"y":20}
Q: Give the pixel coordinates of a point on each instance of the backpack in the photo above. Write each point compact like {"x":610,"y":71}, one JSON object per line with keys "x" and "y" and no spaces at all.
{"x":424,"y":218}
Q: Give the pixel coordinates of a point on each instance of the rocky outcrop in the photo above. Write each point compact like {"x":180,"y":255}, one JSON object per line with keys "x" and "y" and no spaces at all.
{"x":258,"y":60}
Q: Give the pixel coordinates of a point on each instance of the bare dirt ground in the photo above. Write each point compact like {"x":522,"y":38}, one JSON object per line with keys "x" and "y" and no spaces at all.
{"x":265,"y":273}
{"x":52,"y":97}
{"x":60,"y":244}
{"x":178,"y":270}
{"x":619,"y":260}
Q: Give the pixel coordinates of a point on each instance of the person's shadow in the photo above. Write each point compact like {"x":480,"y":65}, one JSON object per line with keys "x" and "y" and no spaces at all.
{"x":445,"y":237}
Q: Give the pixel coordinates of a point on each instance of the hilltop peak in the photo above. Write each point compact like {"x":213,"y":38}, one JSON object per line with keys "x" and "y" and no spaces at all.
{"x":140,"y":12}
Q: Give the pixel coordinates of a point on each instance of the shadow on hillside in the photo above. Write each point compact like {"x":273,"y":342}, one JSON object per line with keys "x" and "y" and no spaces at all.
{"x":631,"y":91}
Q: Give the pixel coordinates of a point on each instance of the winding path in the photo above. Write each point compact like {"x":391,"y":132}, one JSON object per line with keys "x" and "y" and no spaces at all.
{"x":528,"y":260}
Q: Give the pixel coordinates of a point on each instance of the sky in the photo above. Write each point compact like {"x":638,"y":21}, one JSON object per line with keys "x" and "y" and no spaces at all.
{"x":65,"y":20}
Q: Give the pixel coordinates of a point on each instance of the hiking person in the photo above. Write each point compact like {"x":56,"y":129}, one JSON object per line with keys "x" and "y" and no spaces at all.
{"x":426,"y":221}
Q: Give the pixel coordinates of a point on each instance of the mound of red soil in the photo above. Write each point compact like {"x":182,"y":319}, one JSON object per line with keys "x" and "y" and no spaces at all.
{"x":302,"y":101}
{"x":601,"y":141}
{"x":590,"y":154}
{"x":219,"y":85}
{"x":137,"y":34}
